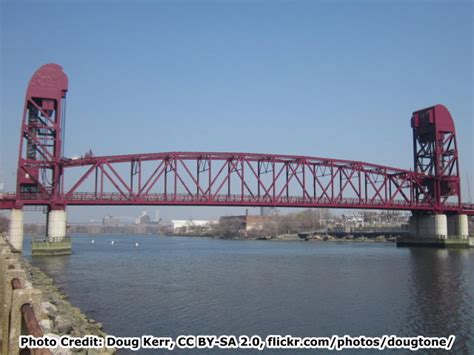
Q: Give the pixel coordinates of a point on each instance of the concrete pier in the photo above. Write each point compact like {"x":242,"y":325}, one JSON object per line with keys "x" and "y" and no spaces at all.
{"x":437,"y":230}
{"x":57,"y":241}
{"x":57,"y":225}
{"x":16,"y":229}
{"x":458,"y":226}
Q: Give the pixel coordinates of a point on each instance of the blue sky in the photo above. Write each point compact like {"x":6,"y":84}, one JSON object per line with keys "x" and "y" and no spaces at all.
{"x":324,"y":78}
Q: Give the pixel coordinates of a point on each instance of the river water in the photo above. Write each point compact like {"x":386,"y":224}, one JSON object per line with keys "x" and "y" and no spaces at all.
{"x":169,"y":286}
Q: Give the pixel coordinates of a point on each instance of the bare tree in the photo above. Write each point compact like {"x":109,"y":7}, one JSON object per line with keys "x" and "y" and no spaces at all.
{"x":229,"y":227}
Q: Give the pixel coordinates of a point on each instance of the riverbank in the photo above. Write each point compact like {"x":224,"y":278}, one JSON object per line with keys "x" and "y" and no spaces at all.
{"x":62,"y":317}
{"x":371,"y":237}
{"x":380,"y":238}
{"x":351,"y":238}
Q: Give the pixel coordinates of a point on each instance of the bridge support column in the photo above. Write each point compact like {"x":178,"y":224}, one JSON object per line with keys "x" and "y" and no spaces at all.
{"x":458,"y":226}
{"x":433,"y":226}
{"x":57,"y":225}
{"x":57,"y":241}
{"x":436,"y":230}
{"x":16,"y":229}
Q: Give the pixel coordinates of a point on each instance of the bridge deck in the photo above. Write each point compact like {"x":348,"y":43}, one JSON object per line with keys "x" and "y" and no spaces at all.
{"x":237,"y":179}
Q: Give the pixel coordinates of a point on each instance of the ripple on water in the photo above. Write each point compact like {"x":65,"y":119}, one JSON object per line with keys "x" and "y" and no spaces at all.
{"x":170,"y":286}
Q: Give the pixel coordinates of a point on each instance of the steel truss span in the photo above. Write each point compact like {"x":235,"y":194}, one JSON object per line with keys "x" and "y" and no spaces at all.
{"x":45,"y":177}
{"x":238,"y":179}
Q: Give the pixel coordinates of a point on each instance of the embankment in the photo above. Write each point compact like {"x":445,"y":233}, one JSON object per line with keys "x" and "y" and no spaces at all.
{"x":53,"y":312}
{"x":62,"y":317}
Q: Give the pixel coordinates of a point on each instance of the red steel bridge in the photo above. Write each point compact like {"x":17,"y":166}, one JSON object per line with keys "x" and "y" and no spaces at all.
{"x":46,"y":177}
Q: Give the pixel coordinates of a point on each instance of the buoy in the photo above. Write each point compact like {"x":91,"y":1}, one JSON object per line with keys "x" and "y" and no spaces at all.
{"x":112,"y":242}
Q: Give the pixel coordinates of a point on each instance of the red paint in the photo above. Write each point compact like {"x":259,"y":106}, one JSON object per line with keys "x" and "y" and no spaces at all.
{"x":436,"y":155}
{"x":227,"y":179}
{"x":40,"y":152}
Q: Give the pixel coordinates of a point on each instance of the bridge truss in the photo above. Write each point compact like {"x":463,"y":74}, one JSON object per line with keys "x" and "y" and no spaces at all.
{"x":45,"y":177}
{"x":237,"y":179}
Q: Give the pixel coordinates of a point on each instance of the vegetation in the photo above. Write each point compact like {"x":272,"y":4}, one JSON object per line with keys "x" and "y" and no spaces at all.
{"x":272,"y":226}
{"x":232,"y":228}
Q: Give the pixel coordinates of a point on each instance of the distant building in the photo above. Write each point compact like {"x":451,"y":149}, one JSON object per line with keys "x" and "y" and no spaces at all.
{"x":187,"y":225}
{"x":110,"y":221}
{"x":164,"y":224}
{"x":144,"y":218}
{"x":247,"y":222}
{"x":382,"y":218}
{"x":354,"y":221}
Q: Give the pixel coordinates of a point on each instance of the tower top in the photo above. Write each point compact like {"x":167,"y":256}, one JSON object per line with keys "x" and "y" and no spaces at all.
{"x":49,"y":82}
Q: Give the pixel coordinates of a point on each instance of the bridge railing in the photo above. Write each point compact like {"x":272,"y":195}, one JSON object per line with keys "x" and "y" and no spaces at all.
{"x":8,"y":195}
{"x":38,"y":240}
{"x":21,"y":304}
{"x":232,"y":199}
{"x":239,"y":198}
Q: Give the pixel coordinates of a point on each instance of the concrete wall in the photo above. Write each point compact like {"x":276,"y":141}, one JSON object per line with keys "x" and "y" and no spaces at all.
{"x":16,"y":229}
{"x":12,"y":324}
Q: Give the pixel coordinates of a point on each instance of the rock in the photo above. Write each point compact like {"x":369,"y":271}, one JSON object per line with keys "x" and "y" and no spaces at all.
{"x":47,"y":306}
{"x":63,"y":324}
{"x":62,"y":317}
{"x":99,"y":325}
{"x":46,"y":325}
{"x":54,"y":298}
{"x":58,"y":350}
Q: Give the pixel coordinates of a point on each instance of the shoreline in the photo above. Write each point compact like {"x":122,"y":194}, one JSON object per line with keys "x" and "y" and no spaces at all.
{"x":62,"y":317}
{"x":380,"y":238}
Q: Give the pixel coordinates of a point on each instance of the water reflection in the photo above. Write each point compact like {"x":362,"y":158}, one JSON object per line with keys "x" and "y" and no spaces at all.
{"x":52,"y":265}
{"x":440,"y":295}
{"x":56,"y":267}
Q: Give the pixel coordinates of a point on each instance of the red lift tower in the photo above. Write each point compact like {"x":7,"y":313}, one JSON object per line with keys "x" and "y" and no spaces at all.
{"x":40,"y":171}
{"x":436,"y":155}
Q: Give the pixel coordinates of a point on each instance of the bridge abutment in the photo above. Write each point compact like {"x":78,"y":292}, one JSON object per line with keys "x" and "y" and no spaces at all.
{"x":16,"y":228}
{"x":437,"y":230}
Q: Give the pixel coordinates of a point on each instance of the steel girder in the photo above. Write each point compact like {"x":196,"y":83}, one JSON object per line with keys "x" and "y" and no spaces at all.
{"x":239,"y":179}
